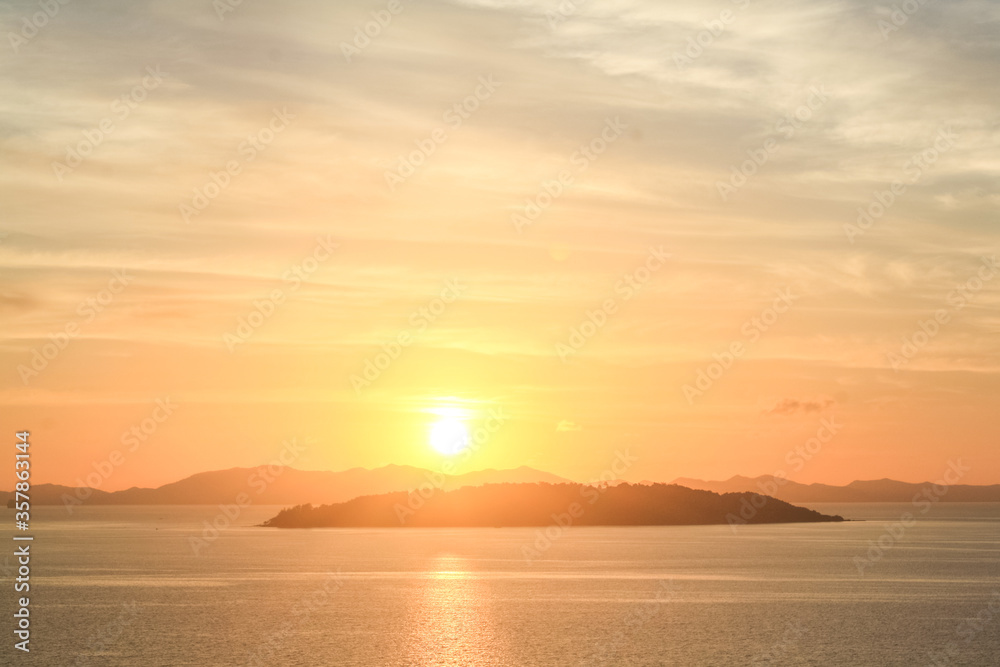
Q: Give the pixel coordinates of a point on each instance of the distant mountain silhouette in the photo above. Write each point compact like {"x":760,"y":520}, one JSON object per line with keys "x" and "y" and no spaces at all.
{"x":296,"y":487}
{"x":873,"y":491}
{"x":504,"y":505}
{"x":267,"y":486}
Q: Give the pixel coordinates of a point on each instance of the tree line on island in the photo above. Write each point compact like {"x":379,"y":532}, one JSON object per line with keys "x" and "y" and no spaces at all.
{"x":542,"y":504}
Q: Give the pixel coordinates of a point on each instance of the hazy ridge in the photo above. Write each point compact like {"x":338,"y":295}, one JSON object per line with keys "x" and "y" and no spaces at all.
{"x":861,"y":491}
{"x":271,"y":485}
{"x":288,"y":486}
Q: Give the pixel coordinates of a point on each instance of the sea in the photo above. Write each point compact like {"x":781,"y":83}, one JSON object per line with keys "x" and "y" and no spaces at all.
{"x":201,"y":585}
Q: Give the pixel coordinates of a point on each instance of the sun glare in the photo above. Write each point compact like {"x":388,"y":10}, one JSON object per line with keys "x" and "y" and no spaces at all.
{"x":449,"y":436}
{"x":449,"y":427}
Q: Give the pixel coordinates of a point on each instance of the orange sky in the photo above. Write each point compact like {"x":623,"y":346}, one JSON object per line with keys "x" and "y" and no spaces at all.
{"x":561,"y":219}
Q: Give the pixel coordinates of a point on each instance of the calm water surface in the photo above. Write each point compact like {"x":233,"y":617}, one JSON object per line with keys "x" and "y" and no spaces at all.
{"x":123,"y":587}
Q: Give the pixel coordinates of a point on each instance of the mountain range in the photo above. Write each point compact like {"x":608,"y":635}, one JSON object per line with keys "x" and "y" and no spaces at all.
{"x":871,"y":491}
{"x":288,"y":486}
{"x":266,"y":485}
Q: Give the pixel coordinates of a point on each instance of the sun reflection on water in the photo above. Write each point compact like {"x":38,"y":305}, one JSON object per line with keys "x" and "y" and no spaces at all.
{"x":453,"y":623}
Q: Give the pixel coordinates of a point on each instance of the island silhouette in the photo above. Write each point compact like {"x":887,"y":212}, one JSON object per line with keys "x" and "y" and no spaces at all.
{"x":542,"y":504}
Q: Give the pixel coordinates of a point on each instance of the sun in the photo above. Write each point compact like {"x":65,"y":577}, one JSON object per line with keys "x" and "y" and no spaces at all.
{"x":449,"y":436}
{"x":448,"y":430}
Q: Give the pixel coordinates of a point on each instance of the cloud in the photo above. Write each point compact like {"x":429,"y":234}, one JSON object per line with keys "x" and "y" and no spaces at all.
{"x":791,"y":406}
{"x":688,"y":129}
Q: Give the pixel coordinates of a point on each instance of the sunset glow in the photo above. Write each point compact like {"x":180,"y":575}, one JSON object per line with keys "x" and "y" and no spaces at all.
{"x":563,"y":218}
{"x":465,"y":333}
{"x":449,"y":436}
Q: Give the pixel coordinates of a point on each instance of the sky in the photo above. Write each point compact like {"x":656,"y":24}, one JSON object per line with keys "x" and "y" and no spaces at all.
{"x":708,"y":238}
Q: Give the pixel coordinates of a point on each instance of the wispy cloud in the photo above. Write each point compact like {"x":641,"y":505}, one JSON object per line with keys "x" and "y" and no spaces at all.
{"x":687,"y":127}
{"x":791,"y":406}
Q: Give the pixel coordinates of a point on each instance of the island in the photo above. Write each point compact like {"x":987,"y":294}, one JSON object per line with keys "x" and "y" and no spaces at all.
{"x":543,"y":504}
